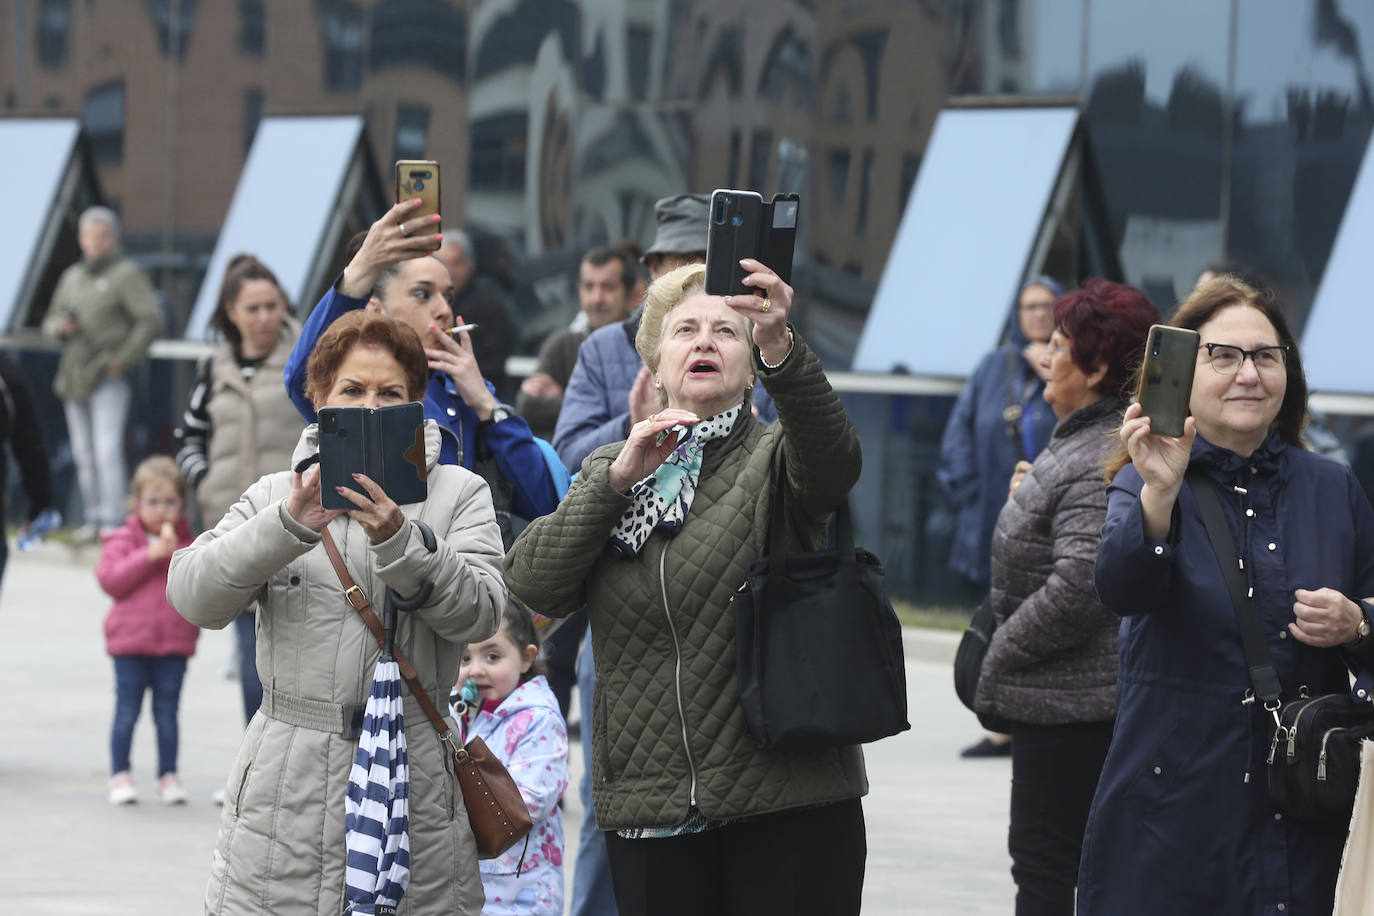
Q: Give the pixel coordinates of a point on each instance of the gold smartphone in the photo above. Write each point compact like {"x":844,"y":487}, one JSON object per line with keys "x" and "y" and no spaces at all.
{"x":419,"y":178}
{"x":1166,"y":378}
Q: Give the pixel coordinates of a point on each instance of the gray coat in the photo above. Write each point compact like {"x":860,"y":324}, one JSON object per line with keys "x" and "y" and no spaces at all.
{"x":281,"y":836}
{"x":1053,"y":657}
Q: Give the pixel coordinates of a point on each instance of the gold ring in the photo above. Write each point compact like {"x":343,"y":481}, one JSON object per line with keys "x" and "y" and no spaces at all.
{"x":767,"y":304}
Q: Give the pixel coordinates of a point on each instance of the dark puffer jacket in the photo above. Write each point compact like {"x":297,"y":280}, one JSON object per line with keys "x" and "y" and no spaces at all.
{"x":668,"y":733}
{"x":1053,"y":657}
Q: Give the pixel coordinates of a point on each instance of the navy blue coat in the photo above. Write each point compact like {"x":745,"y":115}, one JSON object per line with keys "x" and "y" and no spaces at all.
{"x":1175,"y":827}
{"x":977,"y":456}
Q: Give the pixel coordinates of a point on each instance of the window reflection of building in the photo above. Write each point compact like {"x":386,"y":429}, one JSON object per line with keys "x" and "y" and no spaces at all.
{"x":174,"y":20}
{"x":54,"y":31}
{"x":412,"y":131}
{"x":252,"y":28}
{"x":341,"y":28}
{"x":102,"y":117}
{"x":424,"y":33}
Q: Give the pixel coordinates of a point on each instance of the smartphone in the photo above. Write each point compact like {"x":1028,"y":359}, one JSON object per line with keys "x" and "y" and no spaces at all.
{"x":1166,"y":378}
{"x":385,"y":443}
{"x":419,"y":178}
{"x":743,"y":226}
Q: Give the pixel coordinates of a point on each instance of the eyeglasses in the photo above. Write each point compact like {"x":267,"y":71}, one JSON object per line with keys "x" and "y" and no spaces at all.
{"x":1052,"y":349}
{"x":1227,"y":359}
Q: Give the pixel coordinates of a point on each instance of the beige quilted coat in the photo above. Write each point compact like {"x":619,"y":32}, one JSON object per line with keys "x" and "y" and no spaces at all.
{"x":281,"y":838}
{"x":668,"y":733}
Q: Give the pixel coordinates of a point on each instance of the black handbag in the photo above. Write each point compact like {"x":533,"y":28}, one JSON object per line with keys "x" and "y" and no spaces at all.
{"x":818,"y":647}
{"x":1313,"y":765}
{"x":968,"y":664}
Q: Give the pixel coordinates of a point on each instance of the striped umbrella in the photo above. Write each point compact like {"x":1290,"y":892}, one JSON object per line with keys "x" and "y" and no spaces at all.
{"x":377,"y":819}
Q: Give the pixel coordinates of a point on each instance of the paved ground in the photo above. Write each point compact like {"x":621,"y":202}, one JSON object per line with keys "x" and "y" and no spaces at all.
{"x":936,"y":824}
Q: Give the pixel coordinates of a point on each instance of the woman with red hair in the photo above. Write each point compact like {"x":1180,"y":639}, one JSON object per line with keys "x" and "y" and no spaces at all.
{"x":1051,"y":666}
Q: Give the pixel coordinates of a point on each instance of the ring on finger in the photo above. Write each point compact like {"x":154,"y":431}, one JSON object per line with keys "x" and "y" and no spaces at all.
{"x":767,"y":304}
{"x":401,"y":224}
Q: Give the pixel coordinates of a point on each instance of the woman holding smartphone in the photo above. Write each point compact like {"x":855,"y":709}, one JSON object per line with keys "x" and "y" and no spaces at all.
{"x":1182,"y":822}
{"x":281,"y":836}
{"x":393,"y":271}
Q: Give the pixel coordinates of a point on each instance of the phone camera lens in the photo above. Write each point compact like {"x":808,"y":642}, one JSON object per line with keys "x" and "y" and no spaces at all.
{"x":736,"y":220}
{"x":1155,"y":352}
{"x":419,"y":185}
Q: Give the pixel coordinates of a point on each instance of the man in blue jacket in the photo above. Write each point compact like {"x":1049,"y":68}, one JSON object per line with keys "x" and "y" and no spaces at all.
{"x":393,"y":271}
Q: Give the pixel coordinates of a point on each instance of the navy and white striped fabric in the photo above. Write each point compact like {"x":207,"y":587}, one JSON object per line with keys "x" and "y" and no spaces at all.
{"x":377,"y":818}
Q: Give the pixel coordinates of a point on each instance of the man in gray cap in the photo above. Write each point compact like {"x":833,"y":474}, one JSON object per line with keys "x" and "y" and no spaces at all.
{"x":681,"y":235}
{"x":610,"y":389}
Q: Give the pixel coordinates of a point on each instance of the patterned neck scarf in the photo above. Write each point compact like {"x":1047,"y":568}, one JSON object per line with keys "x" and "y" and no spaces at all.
{"x":662,"y":499}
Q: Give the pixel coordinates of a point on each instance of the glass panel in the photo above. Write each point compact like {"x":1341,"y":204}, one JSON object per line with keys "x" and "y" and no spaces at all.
{"x":103,"y":117}
{"x":1157,"y":75}
{"x":960,"y":274}
{"x":1303,"y":111}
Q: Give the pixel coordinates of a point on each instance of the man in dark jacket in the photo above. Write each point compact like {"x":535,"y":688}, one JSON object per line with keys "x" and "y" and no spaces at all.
{"x":20,"y":429}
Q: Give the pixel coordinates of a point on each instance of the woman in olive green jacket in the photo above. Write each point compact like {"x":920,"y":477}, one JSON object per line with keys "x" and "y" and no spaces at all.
{"x":654,"y":537}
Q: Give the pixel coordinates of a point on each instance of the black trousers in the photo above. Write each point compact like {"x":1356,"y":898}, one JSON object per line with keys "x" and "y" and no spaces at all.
{"x":1054,"y":773}
{"x":806,"y":862}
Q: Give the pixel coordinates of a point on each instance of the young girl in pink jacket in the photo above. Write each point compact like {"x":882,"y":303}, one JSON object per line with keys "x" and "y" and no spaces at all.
{"x":149,"y":640}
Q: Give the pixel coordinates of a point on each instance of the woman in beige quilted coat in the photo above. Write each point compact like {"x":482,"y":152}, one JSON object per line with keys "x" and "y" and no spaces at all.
{"x":281,"y":839}
{"x":654,"y":537}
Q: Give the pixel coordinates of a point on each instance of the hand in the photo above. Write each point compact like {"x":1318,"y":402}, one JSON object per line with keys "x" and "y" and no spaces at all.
{"x":1161,"y":461}
{"x":455,"y":359}
{"x":1326,"y":618}
{"x":1021,"y":470}
{"x":113,"y":369}
{"x":643,"y":399}
{"x":380,"y":517}
{"x":303,"y":503}
{"x":163,"y":546}
{"x":391,"y":239}
{"x":1034,"y":353}
{"x":541,"y":385}
{"x":69,"y":325}
{"x":643,"y":453}
{"x":770,"y":327}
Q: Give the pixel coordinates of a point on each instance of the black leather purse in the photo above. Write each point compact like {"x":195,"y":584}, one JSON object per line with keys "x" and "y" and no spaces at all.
{"x":1314,"y":749}
{"x":818,"y":647}
{"x":968,"y":664}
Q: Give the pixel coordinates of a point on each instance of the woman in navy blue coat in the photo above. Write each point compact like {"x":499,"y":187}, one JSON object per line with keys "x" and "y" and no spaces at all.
{"x":1181,"y":822}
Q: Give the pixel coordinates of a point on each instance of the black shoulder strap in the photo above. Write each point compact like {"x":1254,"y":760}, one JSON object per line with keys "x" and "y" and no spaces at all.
{"x":1262,"y":674}
{"x":1011,"y":414}
{"x":777,"y":527}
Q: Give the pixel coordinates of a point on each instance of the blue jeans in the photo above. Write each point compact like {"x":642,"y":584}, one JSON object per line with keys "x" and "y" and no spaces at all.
{"x":246,"y":634}
{"x":134,"y":676}
{"x":592,"y":893}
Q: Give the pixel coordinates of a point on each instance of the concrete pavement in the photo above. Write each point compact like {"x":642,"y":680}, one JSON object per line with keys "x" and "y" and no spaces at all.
{"x":936,"y":824}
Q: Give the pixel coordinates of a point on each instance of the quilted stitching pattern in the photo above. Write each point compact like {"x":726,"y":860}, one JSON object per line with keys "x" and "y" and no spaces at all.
{"x":642,"y":773}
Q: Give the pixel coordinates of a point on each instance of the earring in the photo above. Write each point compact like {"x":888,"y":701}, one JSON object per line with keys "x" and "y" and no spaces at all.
{"x":658,"y":382}
{"x":749,"y":387}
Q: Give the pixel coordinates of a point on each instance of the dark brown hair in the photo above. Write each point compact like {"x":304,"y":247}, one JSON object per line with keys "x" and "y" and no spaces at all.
{"x":241,"y":269}
{"x":361,"y":328}
{"x":518,"y":626}
{"x":1201,"y":307}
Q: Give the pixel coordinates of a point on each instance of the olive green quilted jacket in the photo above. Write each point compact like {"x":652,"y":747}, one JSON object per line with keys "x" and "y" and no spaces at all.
{"x":668,"y":733}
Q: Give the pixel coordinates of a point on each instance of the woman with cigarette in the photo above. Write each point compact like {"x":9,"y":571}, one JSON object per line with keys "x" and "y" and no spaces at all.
{"x":393,"y":271}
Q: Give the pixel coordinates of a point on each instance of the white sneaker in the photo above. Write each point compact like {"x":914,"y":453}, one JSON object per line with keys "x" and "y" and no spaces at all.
{"x":169,"y":790}
{"x":122,"y":789}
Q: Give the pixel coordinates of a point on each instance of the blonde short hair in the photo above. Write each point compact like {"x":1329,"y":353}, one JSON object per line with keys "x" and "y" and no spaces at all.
{"x":665,"y":294}
{"x":153,"y":469}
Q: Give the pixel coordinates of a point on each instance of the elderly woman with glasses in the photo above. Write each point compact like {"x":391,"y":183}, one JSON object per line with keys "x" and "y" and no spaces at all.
{"x":1182,"y":821}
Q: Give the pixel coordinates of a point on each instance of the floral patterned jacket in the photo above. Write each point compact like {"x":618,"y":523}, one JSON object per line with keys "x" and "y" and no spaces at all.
{"x":528,"y":734}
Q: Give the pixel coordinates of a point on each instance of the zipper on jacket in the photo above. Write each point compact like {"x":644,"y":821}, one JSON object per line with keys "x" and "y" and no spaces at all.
{"x":677,"y":675}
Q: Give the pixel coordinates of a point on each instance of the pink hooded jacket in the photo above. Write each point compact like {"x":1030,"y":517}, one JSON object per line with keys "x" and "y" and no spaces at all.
{"x":141,"y":622}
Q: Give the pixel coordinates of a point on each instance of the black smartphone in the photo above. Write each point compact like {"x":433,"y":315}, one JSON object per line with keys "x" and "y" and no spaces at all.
{"x":1166,"y":378}
{"x":743,"y":226}
{"x":385,"y":443}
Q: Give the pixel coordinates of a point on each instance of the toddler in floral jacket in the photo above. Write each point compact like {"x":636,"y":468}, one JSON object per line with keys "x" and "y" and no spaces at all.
{"x":508,"y":704}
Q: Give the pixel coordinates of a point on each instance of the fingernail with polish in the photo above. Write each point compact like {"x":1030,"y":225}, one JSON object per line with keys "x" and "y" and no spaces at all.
{"x":357,"y":476}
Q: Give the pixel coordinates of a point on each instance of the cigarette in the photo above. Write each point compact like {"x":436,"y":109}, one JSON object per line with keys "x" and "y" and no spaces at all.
{"x":456,"y":329}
